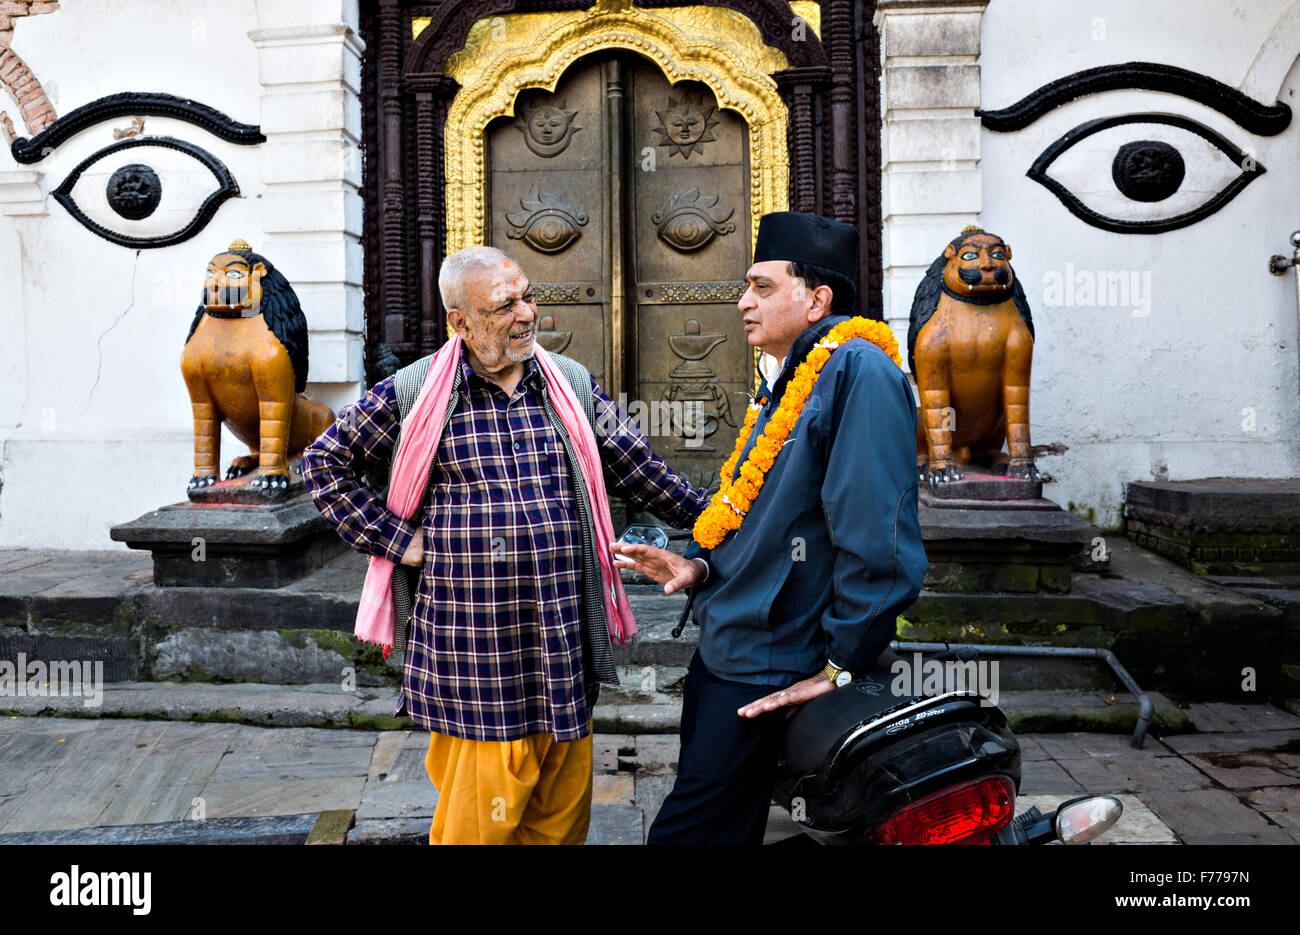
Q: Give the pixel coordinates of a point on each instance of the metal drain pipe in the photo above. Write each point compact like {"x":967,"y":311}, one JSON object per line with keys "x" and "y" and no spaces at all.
{"x":1145,"y":707}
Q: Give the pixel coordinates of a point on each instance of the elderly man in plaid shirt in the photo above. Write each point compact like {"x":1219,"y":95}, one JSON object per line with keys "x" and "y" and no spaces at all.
{"x":495,"y":666}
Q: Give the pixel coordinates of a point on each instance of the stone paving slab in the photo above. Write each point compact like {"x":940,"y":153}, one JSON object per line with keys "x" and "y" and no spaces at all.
{"x":393,"y":800}
{"x":615,"y":824}
{"x":242,"y":702}
{"x":293,"y":763}
{"x":387,"y":747}
{"x":1030,"y":748}
{"x":1043,"y":710}
{"x":408,"y":765}
{"x":608,"y":750}
{"x":260,"y":739}
{"x":1217,"y":717}
{"x":1248,"y":770}
{"x":1128,"y":774}
{"x":182,"y":737}
{"x":164,"y":788}
{"x":1267,"y":836}
{"x":1041,"y":776}
{"x":1237,"y":742}
{"x":280,"y":829}
{"x":326,"y":705}
{"x":651,"y":790}
{"x":1077,"y":745}
{"x":614,"y":789}
{"x":652,"y":754}
{"x":1282,"y":805}
{"x":59,"y":774}
{"x":390,"y":831}
{"x":276,"y":797}
{"x":1204,"y":811}
{"x":638,"y":718}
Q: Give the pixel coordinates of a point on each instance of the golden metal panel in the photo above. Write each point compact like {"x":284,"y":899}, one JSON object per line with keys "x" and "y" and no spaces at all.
{"x":505,"y":55}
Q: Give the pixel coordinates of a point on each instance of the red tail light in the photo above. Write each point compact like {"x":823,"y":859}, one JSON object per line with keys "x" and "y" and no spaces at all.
{"x":967,"y":814}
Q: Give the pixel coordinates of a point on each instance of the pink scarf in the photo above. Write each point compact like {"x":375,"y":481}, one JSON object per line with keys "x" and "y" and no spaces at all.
{"x":421,"y":432}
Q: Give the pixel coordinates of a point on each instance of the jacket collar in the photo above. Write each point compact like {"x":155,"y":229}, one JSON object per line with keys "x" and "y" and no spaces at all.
{"x":798,"y":351}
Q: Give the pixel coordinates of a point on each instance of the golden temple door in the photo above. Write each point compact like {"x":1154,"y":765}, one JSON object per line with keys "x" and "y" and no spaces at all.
{"x":626,"y":201}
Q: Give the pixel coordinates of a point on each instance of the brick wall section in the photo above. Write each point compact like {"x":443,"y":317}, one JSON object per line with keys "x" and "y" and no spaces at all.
{"x":38,"y":113}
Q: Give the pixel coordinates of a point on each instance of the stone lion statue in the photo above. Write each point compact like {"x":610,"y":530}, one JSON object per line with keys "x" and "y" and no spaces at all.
{"x":970,"y":344}
{"x":245,"y":364}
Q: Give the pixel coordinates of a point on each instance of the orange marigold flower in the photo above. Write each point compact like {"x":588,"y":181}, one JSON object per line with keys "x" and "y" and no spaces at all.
{"x":721,"y":516}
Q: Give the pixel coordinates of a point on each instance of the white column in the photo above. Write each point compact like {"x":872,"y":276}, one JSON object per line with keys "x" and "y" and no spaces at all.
{"x":930,"y":145}
{"x":310,"y":71}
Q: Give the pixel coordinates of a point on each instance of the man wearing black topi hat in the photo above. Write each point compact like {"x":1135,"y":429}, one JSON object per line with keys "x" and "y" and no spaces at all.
{"x":812,"y":547}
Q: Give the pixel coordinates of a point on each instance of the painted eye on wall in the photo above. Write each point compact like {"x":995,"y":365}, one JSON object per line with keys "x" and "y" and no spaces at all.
{"x":147,"y":192}
{"x":1144,"y":173}
{"x":144,"y":191}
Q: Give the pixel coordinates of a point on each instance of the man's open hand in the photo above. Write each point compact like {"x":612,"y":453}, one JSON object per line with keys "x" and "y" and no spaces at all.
{"x":414,"y":554}
{"x":796,"y":694}
{"x":667,"y":568}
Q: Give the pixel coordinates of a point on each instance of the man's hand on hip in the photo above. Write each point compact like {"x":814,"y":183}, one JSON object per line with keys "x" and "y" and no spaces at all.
{"x":796,"y":694}
{"x":668,"y":568}
{"x":414,"y":554}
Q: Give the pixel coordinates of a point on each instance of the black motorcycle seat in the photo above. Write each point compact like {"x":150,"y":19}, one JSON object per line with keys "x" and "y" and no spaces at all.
{"x":818,"y":725}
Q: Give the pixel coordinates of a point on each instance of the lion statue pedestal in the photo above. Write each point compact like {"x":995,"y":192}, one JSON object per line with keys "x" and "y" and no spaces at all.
{"x":986,"y":524}
{"x":245,"y":366}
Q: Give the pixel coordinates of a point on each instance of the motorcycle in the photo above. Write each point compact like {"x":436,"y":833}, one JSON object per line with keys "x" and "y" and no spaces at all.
{"x":863,"y":765}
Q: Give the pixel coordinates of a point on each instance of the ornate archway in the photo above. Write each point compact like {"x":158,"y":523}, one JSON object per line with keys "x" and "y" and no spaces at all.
{"x":829,"y":87}
{"x":505,"y":55}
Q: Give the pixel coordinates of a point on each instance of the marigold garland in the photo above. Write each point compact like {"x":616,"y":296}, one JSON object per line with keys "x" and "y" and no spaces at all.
{"x":727,"y":510}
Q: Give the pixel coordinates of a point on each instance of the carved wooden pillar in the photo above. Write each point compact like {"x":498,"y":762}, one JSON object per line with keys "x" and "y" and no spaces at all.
{"x":392,"y":294}
{"x":870,"y":222}
{"x":797,"y":88}
{"x":838,"y":36}
{"x":425,"y":219}
{"x":431,"y":99}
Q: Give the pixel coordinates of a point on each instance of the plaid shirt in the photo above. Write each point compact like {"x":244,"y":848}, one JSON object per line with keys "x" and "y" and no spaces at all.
{"x":495,"y":645}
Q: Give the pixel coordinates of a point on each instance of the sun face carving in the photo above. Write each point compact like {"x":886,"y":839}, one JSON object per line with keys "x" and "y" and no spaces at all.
{"x":690,"y":220}
{"x":547,"y":127}
{"x":547,"y":223}
{"x":687,"y":124}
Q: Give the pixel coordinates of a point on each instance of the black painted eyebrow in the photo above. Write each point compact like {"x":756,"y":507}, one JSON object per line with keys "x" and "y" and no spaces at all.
{"x":1250,"y":114}
{"x":134,"y":104}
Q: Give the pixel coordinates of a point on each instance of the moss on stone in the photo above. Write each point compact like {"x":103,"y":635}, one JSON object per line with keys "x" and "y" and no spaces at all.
{"x":1116,"y":719}
{"x":332,"y":826}
{"x":361,"y":721}
{"x":360,"y":654}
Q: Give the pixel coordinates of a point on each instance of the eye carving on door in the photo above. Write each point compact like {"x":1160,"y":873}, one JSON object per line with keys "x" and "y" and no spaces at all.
{"x":686,"y":125}
{"x":547,"y":127}
{"x":547,"y":223}
{"x":635,"y":272}
{"x":690,"y":220}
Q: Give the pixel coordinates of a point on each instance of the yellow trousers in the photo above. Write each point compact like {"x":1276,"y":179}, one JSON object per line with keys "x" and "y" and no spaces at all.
{"x":529,"y":791}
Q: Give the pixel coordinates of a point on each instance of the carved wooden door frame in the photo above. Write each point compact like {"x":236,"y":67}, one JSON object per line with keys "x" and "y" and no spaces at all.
{"x":830,"y":89}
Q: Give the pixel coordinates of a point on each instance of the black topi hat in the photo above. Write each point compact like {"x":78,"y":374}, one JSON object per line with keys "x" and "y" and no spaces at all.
{"x":830,"y":247}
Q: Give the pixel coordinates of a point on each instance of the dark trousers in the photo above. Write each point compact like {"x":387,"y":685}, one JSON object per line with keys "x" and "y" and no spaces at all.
{"x":726,"y":768}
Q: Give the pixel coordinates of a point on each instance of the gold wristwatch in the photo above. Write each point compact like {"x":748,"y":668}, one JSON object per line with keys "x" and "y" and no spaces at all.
{"x":838,"y":677}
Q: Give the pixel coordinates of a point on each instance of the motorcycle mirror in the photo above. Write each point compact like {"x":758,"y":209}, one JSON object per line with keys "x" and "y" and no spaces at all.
{"x":1081,"y":820}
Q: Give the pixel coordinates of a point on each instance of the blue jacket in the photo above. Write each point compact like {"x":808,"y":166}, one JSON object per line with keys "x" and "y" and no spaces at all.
{"x":830,"y":552}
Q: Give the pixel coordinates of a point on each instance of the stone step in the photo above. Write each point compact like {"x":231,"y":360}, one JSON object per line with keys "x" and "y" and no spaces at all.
{"x":327,"y":705}
{"x":1173,"y":630}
